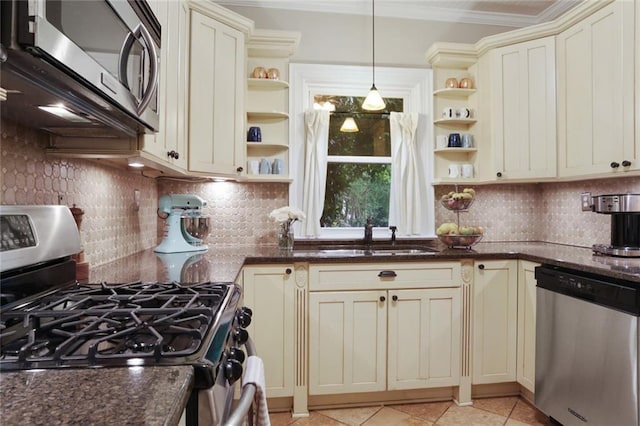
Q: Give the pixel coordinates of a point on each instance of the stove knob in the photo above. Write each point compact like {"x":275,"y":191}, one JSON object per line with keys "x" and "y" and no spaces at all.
{"x":241,"y":336}
{"x":236,"y":354}
{"x":232,"y":370}
{"x":244,"y":317}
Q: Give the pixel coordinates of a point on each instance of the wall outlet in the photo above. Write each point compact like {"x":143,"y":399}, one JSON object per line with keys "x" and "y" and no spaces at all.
{"x":586,"y":201}
{"x":136,"y":199}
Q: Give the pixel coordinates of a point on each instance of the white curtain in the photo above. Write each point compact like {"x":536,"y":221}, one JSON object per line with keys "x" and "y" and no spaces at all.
{"x":316,"y":125}
{"x":407,"y":202}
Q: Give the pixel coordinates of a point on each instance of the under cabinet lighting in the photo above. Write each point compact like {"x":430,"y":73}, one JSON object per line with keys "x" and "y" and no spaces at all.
{"x":135,"y":162}
{"x":65,"y":113}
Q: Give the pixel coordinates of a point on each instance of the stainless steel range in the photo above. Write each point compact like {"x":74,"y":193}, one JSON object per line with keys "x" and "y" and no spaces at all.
{"x":48,"y":320}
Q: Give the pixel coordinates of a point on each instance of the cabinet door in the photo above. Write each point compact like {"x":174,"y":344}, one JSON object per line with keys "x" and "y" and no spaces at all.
{"x":595,"y":94}
{"x":526,"y":324}
{"x":524,"y":101}
{"x":269,"y":292}
{"x":495,"y":289}
{"x":347,"y":342}
{"x":216,"y":96}
{"x":172,"y":91}
{"x":424,"y":338}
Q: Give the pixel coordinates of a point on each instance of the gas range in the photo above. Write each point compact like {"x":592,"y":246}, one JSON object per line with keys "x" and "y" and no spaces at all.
{"x":50,"y":321}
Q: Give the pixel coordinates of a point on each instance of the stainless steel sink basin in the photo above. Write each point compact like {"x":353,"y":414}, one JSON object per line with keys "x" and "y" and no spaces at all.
{"x":347,"y":251}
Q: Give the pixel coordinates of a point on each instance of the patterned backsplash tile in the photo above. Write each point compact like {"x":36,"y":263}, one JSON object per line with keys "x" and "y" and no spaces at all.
{"x":112,"y":228}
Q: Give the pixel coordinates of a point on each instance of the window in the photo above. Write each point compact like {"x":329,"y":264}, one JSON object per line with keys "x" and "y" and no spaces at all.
{"x":358,"y":163}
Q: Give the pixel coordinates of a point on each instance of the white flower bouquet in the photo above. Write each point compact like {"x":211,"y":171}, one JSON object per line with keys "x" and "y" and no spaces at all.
{"x":286,"y":216}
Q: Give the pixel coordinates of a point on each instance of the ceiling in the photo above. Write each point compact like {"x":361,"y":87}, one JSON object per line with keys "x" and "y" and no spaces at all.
{"x":510,"y":13}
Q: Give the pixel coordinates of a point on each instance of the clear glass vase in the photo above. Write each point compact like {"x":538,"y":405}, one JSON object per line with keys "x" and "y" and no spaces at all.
{"x":285,"y":237}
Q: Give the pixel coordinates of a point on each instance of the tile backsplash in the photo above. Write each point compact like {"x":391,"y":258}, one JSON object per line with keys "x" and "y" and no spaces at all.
{"x":113,"y":228}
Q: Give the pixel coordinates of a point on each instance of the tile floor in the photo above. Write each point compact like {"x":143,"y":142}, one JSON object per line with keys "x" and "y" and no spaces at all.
{"x":511,"y":411}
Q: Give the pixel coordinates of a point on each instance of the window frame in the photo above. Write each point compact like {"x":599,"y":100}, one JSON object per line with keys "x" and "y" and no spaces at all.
{"x":413,"y":85}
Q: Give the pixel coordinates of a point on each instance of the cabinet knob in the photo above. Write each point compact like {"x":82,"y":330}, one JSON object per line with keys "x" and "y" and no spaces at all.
{"x":614,"y":165}
{"x":481,"y":266}
{"x":499,"y":174}
{"x":382,"y":298}
{"x":394,"y":298}
{"x":173,"y":154}
{"x":626,"y":163}
{"x":287,"y":271}
{"x":239,"y":169}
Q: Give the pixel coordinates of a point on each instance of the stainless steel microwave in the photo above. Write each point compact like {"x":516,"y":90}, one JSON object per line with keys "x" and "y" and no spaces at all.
{"x":98,"y":60}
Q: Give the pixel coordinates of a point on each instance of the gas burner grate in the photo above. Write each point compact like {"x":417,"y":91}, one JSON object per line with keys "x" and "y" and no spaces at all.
{"x":111,"y":322}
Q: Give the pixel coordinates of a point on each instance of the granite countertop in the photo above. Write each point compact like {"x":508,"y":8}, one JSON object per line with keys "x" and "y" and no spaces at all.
{"x":103,"y":396}
{"x":225,"y":262}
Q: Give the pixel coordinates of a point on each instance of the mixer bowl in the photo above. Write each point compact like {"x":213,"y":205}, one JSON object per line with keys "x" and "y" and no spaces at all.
{"x":195,"y":229}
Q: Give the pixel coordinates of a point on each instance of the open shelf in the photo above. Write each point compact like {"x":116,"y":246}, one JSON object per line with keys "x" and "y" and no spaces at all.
{"x":267,"y":84}
{"x":465,"y":121}
{"x":454,"y":93}
{"x":258,"y":115}
{"x":455,"y":150}
{"x":267,"y":145}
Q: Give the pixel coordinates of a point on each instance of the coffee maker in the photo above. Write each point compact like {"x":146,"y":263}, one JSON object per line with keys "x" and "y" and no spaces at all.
{"x":625,"y":223}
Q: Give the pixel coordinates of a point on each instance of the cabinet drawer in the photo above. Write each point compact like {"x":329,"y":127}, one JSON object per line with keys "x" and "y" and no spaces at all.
{"x":368,"y":276}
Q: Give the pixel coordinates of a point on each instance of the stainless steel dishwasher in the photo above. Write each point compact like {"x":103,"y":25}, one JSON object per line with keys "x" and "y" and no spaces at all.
{"x":586,"y":348}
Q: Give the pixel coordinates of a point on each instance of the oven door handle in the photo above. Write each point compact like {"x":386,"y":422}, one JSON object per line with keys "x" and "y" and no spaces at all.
{"x":237,"y":418}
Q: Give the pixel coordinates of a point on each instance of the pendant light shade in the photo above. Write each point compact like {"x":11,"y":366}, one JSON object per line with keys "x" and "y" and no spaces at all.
{"x":349,"y":126}
{"x":373,"y":101}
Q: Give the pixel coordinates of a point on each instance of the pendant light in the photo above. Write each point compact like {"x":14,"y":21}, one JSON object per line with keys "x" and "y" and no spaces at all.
{"x":373,"y":101}
{"x":349,"y":126}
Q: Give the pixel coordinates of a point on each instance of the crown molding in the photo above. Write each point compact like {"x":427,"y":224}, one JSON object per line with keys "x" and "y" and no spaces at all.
{"x":409,"y":10}
{"x":222,"y":14}
{"x":273,"y":43}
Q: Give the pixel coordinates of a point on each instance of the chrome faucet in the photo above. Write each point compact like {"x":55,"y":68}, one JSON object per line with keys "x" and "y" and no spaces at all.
{"x":393,"y":234}
{"x":368,"y":231}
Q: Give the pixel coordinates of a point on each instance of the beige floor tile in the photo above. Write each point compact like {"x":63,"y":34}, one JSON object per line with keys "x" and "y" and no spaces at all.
{"x":317,"y":419}
{"x":511,"y":422}
{"x":456,"y":415}
{"x":429,"y":410}
{"x":388,"y":416}
{"x":281,"y":419}
{"x":351,"y":416}
{"x":526,"y":413}
{"x":500,"y":406}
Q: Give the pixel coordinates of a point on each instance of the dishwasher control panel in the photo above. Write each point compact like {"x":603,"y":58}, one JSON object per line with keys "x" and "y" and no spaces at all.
{"x":610,"y":292}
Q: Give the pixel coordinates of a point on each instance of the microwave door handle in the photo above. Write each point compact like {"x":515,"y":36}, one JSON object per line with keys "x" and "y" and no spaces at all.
{"x":140,"y":32}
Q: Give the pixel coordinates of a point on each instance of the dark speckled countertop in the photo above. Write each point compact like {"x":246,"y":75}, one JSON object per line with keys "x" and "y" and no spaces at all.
{"x":107,"y":396}
{"x":224,"y":263}
{"x":157,"y":395}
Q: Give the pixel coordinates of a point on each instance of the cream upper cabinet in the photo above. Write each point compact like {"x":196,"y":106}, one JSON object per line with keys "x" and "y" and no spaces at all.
{"x":377,"y":327}
{"x":216,"y":90}
{"x":269,"y":292}
{"x":526,"y":351}
{"x":596,"y":94}
{"x":170,"y":143}
{"x":495,"y":290}
{"x":523,"y":109}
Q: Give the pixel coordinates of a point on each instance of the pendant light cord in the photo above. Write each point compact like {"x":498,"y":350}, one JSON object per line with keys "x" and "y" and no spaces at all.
{"x":373,"y":40}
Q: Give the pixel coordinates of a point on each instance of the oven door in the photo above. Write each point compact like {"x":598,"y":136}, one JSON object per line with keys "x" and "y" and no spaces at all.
{"x":114,"y":45}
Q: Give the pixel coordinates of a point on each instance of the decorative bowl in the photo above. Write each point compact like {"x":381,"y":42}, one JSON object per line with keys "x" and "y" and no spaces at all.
{"x":461,"y":241}
{"x":456,"y":204}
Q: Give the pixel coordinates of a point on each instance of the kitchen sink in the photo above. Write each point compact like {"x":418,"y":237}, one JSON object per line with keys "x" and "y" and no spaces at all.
{"x":358,"y":250}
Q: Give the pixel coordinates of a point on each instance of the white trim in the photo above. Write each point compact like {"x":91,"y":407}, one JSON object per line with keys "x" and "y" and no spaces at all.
{"x":412,"y":10}
{"x":413,"y":85}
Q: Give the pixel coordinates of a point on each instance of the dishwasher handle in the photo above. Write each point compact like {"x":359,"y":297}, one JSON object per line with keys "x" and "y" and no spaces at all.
{"x":245,"y":403}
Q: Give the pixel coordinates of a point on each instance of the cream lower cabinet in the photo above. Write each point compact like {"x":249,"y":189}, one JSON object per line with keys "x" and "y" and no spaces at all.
{"x":383,"y":327}
{"x":495,"y":316}
{"x":270,"y":291}
{"x":526,"y":351}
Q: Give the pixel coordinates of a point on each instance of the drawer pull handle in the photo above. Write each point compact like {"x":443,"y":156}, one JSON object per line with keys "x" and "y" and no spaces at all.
{"x":387,"y":274}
